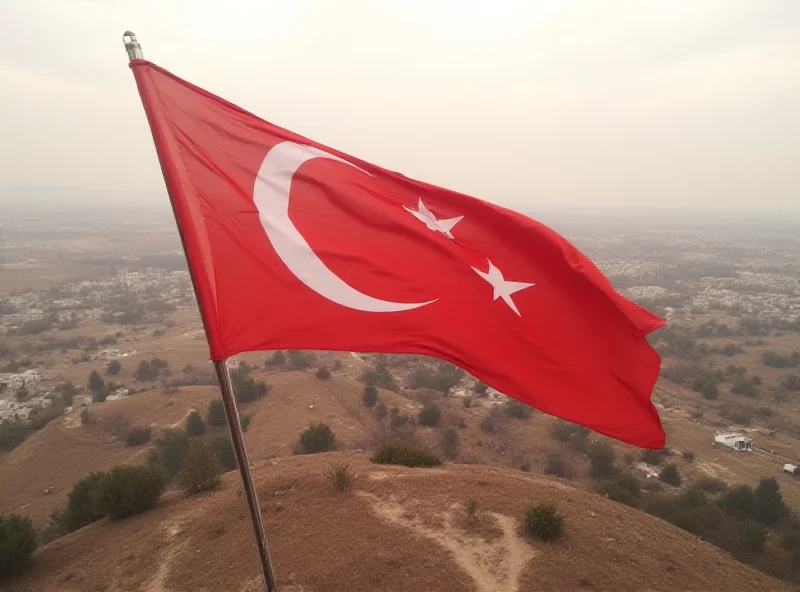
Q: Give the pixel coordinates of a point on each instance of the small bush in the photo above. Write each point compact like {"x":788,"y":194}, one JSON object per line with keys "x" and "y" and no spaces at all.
{"x":601,"y":459}
{"x":622,"y":487}
{"x":222,"y":447}
{"x":370,"y":396}
{"x":170,"y":450}
{"x":195,"y":426}
{"x":83,"y":503}
{"x":556,"y":466}
{"x":137,"y":436}
{"x":337,"y":364}
{"x":752,"y":536}
{"x":244,"y":421}
{"x":653,"y":457}
{"x":689,"y":456}
{"x":405,"y":454}
{"x":481,"y":388}
{"x":381,"y":411}
{"x":126,"y":490}
{"x":17,"y":543}
{"x":572,"y":433}
{"x":113,"y":367}
{"x":278,"y":359}
{"x":317,"y":438}
{"x":323,"y":373}
{"x":216,"y":414}
{"x":517,"y":409}
{"x":545,"y":522}
{"x":489,"y":424}
{"x":341,"y":476}
{"x":201,"y":469}
{"x":471,"y":507}
{"x":670,"y":475}
{"x":430,"y":415}
{"x":711,"y":485}
{"x":467,"y":402}
{"x":450,"y":443}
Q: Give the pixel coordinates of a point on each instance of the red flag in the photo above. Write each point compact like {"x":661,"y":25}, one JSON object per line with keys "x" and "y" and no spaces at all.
{"x":294,"y":245}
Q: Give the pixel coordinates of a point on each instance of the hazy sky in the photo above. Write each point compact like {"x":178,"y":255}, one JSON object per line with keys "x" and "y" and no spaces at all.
{"x":641,"y":103}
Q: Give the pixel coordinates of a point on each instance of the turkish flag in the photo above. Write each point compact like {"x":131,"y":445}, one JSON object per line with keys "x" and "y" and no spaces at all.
{"x":294,"y":245}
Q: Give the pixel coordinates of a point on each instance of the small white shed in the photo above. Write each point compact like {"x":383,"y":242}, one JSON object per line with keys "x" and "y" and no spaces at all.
{"x":791,"y":470}
{"x":735,"y":441}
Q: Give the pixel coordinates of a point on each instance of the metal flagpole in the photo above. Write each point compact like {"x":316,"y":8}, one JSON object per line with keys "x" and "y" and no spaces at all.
{"x":134,"y":50}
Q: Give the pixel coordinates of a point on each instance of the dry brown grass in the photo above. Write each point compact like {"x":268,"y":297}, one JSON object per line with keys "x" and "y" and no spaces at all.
{"x":400,"y":529}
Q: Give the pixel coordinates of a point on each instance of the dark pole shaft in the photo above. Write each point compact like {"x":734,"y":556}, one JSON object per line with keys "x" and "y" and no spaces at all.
{"x":225,"y":386}
{"x":237,"y":437}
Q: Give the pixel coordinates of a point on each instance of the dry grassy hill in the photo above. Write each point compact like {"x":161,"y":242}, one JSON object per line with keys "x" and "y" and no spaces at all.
{"x":396,"y":529}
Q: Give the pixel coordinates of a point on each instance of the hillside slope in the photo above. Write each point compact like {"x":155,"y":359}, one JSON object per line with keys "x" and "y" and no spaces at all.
{"x":396,"y":529}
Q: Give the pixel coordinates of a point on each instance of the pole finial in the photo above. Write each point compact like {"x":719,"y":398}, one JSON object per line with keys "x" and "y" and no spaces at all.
{"x":132,"y":46}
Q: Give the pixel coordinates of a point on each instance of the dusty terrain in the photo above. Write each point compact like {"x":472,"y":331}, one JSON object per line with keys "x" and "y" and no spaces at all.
{"x":396,"y":529}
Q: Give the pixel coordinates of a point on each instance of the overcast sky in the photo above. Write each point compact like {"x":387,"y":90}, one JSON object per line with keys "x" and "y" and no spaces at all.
{"x":691,"y":104}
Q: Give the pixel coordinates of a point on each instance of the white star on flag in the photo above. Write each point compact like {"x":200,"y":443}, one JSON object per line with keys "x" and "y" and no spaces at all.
{"x":423,"y":214}
{"x":502,"y":288}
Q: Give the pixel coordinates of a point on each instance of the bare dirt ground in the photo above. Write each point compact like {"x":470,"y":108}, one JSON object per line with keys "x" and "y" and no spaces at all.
{"x":397,"y":529}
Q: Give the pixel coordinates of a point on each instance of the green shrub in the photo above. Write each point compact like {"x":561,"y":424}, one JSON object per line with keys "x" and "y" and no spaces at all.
{"x":244,"y":421}
{"x":408,"y":455}
{"x":195,"y":426}
{"x":370,"y":396}
{"x":137,"y":436}
{"x":430,"y":415}
{"x":601,"y":459}
{"x":622,"y":487}
{"x":341,"y":476}
{"x":278,"y":359}
{"x":323,"y":373}
{"x":653,"y":457}
{"x":201,"y":469}
{"x":739,"y":502}
{"x":517,"y":409}
{"x":246,"y":388}
{"x":752,"y":536}
{"x":572,"y":433}
{"x":216,"y":414}
{"x":711,"y":485}
{"x":299,"y":360}
{"x":481,"y":388}
{"x":689,"y":456}
{"x":450,"y":443}
{"x":83,"y":503}
{"x":113,"y":367}
{"x":317,"y":438}
{"x":170,"y":450}
{"x":17,"y":543}
{"x":544,"y":521}
{"x":225,"y":454}
{"x":12,"y":434}
{"x":126,"y":490}
{"x":489,"y":424}
{"x":556,"y":466}
{"x":471,"y":506}
{"x":670,"y":475}
{"x":769,"y":507}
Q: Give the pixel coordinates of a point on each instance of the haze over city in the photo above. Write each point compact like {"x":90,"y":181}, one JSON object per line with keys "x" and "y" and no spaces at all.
{"x":527,"y":104}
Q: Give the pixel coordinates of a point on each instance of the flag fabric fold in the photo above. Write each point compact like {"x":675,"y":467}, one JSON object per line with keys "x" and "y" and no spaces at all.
{"x":295,"y":245}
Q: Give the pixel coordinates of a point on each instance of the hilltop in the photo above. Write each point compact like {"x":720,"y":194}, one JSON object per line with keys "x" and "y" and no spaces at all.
{"x":396,"y":529}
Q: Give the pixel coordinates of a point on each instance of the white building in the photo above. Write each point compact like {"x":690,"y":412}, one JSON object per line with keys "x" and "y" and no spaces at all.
{"x":734,"y":441}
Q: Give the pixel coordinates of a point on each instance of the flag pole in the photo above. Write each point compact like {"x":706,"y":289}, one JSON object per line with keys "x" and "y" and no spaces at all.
{"x":134,"y":50}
